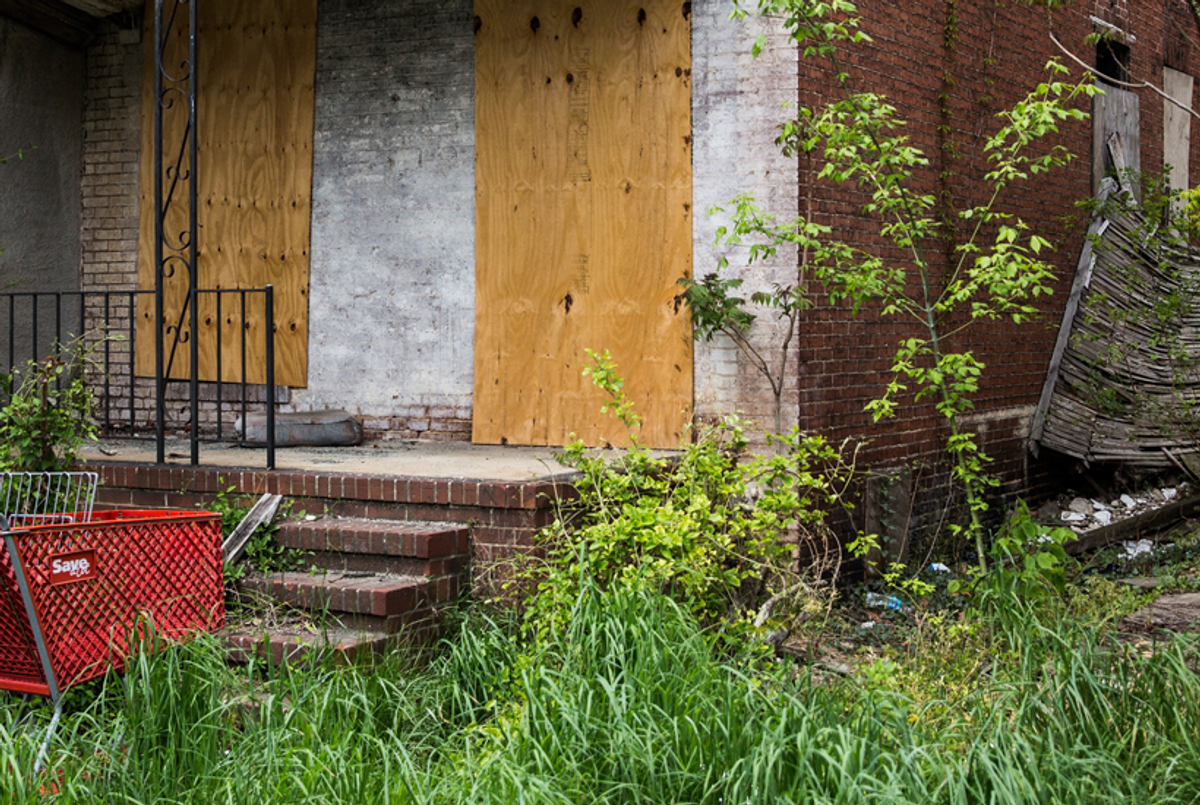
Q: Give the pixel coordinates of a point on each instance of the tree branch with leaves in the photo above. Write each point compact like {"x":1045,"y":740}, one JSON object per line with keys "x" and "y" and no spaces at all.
{"x":997,"y":270}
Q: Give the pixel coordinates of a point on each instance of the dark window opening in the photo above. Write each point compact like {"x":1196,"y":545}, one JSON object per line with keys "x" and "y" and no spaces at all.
{"x":1112,"y":60}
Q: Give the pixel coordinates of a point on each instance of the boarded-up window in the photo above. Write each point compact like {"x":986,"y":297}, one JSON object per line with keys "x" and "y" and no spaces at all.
{"x":254,"y":184}
{"x":1115,"y":112}
{"x":583,"y":216}
{"x":1177,"y":127}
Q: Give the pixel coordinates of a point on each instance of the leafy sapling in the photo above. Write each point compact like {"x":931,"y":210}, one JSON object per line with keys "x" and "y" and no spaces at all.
{"x":997,"y":270}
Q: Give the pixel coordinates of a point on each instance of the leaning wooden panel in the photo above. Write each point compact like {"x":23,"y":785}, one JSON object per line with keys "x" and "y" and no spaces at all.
{"x":258,"y":61}
{"x":583,"y":217}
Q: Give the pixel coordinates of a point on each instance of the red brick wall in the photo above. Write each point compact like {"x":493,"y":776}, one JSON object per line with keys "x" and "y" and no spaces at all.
{"x":995,"y":57}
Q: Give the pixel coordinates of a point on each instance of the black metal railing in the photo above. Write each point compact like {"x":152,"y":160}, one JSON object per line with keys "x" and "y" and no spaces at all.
{"x":97,"y":333}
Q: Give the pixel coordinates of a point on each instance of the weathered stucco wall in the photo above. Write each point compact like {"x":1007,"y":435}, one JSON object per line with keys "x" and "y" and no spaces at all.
{"x":41,"y":104}
{"x":393,"y":249}
{"x":738,"y":105}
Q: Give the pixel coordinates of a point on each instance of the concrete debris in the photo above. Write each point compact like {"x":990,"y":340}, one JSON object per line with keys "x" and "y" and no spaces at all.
{"x":1082,"y":515}
{"x":1135,"y":548}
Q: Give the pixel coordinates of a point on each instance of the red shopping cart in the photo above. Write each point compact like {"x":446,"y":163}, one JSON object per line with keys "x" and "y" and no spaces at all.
{"x":79,"y":590}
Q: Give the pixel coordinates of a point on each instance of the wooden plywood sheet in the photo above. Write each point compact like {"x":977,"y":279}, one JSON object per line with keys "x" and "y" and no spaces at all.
{"x":255,"y":133}
{"x":1117,"y":111}
{"x":583,"y":216}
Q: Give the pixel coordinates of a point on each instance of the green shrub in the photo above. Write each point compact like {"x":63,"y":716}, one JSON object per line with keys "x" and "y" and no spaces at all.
{"x":49,"y":415}
{"x":713,"y":529}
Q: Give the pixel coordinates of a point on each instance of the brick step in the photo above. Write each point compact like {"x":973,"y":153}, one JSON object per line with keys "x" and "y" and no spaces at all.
{"x":290,"y":643}
{"x":411,"y":539}
{"x":355,"y":600}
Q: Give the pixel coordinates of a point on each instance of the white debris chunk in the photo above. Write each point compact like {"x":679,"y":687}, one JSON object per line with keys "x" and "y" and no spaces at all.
{"x":1073,"y":517}
{"x":1139,"y":548}
{"x":1098,"y":506}
{"x":1169,"y":493}
{"x":1103,"y":517}
{"x":1128,"y":501}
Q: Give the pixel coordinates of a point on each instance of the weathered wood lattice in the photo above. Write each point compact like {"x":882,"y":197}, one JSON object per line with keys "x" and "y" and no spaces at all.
{"x":1124,"y":381}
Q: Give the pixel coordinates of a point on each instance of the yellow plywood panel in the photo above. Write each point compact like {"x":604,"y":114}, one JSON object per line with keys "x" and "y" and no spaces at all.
{"x":583,"y":217}
{"x":255,"y":131}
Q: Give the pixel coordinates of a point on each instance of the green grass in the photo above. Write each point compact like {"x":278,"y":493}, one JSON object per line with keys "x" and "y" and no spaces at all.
{"x":633,"y":704}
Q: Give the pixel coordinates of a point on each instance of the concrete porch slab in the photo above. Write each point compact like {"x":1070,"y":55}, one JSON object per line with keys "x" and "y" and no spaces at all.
{"x":402,"y":459}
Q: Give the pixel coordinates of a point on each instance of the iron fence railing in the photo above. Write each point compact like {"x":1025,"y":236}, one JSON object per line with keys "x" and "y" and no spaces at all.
{"x":99,"y":328}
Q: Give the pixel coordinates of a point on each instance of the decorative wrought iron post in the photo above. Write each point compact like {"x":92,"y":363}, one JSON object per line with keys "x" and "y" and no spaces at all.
{"x":175,"y":89}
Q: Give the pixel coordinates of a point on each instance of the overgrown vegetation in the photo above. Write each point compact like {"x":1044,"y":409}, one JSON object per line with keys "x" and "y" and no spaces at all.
{"x":712,"y":528}
{"x":49,"y":414}
{"x":995,"y":271}
{"x":631,"y":700}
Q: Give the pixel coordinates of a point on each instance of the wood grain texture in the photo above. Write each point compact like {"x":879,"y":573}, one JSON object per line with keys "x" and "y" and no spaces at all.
{"x":583,"y":217}
{"x":1116,"y":111}
{"x":255,"y":119}
{"x":1127,"y":382}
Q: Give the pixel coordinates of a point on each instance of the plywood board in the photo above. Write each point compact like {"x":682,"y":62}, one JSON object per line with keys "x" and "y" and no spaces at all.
{"x":583,"y":217}
{"x":1116,"y":111}
{"x":255,"y":132}
{"x":1177,"y":128}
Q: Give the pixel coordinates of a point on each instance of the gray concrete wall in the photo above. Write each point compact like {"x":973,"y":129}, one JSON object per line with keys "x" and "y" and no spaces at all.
{"x":391,"y":311}
{"x":41,"y":104}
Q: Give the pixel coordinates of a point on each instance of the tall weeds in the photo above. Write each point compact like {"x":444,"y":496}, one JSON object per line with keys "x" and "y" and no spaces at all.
{"x":632,"y":702}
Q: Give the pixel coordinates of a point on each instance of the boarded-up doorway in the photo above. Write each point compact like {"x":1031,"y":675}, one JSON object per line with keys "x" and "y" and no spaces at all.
{"x":583,"y":216}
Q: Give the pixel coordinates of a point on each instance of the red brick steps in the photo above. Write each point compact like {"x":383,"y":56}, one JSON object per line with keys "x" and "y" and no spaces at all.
{"x":432,"y":550}
{"x":371,"y":584}
{"x":384,"y":599}
{"x":284,"y":643}
{"x":437,"y":533}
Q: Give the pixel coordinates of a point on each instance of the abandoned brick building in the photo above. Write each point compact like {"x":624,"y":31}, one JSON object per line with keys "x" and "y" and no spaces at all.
{"x":453,"y":202}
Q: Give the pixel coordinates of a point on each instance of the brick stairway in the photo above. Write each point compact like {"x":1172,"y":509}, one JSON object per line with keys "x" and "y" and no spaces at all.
{"x":387,"y":555}
{"x":370,"y":584}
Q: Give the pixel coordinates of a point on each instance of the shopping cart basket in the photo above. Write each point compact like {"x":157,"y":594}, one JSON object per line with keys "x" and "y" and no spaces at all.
{"x":77,"y":595}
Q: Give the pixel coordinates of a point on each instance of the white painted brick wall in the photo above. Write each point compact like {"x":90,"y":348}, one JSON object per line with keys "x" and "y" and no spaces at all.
{"x":392,"y":277}
{"x":391,"y":315}
{"x":737,"y":108}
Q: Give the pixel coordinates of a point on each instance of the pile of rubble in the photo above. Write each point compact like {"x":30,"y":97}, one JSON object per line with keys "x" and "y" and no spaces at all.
{"x":1082,"y":515}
